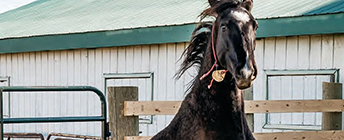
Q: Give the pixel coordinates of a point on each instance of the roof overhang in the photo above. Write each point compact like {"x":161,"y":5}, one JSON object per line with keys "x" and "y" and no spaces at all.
{"x":276,"y":27}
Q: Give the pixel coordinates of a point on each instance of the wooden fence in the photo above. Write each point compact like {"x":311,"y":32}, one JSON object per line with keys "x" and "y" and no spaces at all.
{"x":124,"y":110}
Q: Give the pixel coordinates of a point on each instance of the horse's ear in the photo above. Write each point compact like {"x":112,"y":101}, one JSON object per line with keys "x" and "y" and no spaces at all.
{"x":212,"y":3}
{"x":248,"y":5}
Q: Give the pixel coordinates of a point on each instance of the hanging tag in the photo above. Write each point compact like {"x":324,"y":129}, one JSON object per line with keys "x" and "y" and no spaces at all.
{"x":219,"y":75}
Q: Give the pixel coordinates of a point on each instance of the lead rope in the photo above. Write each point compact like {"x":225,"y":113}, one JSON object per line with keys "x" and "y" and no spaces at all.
{"x":215,"y":63}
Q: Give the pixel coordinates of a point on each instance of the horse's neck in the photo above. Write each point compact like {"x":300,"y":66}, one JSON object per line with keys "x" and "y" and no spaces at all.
{"x":224,"y":95}
{"x":218,"y":107}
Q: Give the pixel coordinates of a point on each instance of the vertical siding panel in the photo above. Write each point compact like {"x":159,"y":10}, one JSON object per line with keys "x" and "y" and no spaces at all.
{"x":44,"y":82}
{"x":50,"y":82}
{"x":326,"y":63}
{"x":315,"y":63}
{"x":280,"y":58}
{"x":145,"y":58}
{"x":106,"y":58}
{"x":91,"y":81}
{"x":315,"y":52}
{"x":153,"y":128}
{"x":3,"y":62}
{"x":114,"y":63}
{"x":145,"y":67}
{"x":63,"y":101}
{"x":304,"y":56}
{"x":170,"y":82}
{"x":31,"y":82}
{"x":77,"y":96}
{"x":303,"y":53}
{"x":129,"y":56}
{"x":113,"y":60}
{"x":269,"y":54}
{"x":136,"y":61}
{"x":180,"y":93}
{"x":121,"y":63}
{"x":70,"y":95}
{"x":280,"y":63}
{"x":9,"y":127}
{"x":8,"y":64}
{"x":292,"y":54}
{"x":14,"y":97}
{"x":258,"y":84}
{"x":32,"y":96}
{"x":161,"y":75}
{"x":84,"y":73}
{"x":99,"y":84}
{"x":327,"y":51}
{"x":129,"y":59}
{"x":269,"y":62}
{"x":39,"y":96}
{"x":137,"y":67}
{"x":310,"y":94}
{"x":297,"y":84}
{"x":106,"y":62}
{"x":274,"y":94}
{"x":297,"y":95}
{"x":21,"y":95}
{"x":27,"y":82}
{"x":57,"y":82}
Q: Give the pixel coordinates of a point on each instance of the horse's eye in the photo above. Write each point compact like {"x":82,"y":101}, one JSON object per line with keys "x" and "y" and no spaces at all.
{"x":223,"y":28}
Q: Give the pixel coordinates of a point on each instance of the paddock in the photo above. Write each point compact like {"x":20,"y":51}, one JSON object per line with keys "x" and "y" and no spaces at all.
{"x":293,"y":61}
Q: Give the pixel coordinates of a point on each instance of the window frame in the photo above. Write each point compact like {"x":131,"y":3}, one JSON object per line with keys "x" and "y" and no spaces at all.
{"x":334,"y":77}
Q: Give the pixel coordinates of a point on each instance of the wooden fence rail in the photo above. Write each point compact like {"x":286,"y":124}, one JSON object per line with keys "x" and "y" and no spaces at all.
{"x":128,"y":109}
{"x":135,"y":108}
{"x":304,"y":135}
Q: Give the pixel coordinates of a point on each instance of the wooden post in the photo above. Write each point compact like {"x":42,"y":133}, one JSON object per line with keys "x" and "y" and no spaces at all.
{"x":248,"y":95}
{"x":120,"y":125}
{"x":332,"y":121}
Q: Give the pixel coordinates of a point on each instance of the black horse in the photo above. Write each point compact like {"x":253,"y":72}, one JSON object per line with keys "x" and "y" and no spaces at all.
{"x":223,"y":51}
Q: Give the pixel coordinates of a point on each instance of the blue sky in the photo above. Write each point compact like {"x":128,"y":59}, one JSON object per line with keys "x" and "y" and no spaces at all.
{"x":6,"y":5}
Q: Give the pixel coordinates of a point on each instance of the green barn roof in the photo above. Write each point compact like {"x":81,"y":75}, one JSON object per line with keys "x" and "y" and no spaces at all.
{"x":71,"y":24}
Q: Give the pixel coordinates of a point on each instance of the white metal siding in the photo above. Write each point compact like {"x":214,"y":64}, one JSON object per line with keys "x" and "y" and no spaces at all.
{"x":296,"y":52}
{"x":87,"y":66}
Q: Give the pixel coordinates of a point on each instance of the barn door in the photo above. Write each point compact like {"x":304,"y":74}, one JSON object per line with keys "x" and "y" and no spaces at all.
{"x":4,"y":81}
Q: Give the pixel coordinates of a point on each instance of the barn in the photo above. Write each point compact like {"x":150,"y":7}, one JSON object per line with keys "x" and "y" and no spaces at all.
{"x":300,"y":44}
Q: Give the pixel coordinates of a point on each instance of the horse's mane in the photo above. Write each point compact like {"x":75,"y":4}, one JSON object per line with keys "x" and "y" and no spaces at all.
{"x":194,"y":53}
{"x":218,"y":6}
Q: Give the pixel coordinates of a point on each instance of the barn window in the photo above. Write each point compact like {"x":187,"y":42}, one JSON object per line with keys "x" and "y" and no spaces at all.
{"x":296,"y":85}
{"x":144,"y":82}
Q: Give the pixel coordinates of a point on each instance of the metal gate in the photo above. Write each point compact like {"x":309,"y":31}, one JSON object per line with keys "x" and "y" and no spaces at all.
{"x":102,"y":118}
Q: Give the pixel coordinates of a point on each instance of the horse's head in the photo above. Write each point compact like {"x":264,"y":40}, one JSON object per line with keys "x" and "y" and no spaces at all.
{"x":234,"y":33}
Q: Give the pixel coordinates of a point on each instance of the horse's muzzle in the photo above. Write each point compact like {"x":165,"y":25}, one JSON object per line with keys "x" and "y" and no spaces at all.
{"x":245,"y":78}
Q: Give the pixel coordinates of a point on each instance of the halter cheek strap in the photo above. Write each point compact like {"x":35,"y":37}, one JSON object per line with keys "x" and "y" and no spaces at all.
{"x":215,"y":63}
